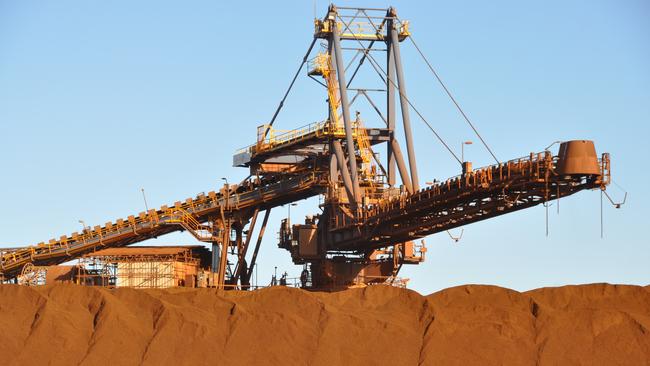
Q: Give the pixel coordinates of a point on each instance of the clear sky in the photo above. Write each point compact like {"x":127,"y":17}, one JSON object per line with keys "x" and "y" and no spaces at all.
{"x":99,"y":99}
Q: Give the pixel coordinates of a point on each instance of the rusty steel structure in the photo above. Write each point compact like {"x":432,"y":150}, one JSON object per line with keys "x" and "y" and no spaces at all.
{"x":142,"y":267}
{"x":373,"y":210}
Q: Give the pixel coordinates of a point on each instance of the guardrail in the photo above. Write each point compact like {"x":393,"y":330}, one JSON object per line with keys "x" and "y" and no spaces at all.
{"x":322,"y":128}
{"x":533,"y":165}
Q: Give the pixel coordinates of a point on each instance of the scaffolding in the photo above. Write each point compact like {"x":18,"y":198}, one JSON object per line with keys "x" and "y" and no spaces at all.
{"x":142,"y":267}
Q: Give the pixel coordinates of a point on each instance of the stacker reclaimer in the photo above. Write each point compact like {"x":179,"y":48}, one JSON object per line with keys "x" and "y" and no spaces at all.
{"x":373,"y":210}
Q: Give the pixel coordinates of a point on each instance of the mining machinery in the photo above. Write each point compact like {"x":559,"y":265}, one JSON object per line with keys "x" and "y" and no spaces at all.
{"x":374,"y":211}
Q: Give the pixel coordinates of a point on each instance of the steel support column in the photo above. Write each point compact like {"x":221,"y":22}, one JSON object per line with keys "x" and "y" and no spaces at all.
{"x":239,"y":240}
{"x":401,"y":166}
{"x":347,"y":181}
{"x":257,"y":245}
{"x":334,"y":174}
{"x":394,"y":41}
{"x":390,"y":103}
{"x":241,"y":254}
{"x":214,"y":265}
{"x":223,"y":260}
{"x":345,"y":107}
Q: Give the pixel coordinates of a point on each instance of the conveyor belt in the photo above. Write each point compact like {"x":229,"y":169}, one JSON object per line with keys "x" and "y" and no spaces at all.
{"x":478,"y":195}
{"x":154,"y":223}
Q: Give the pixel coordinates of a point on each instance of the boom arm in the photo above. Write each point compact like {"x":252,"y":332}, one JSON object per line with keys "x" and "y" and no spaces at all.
{"x":188,"y":215}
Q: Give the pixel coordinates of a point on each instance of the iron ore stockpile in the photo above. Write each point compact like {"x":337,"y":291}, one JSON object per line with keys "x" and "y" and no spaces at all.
{"x":597,"y":324}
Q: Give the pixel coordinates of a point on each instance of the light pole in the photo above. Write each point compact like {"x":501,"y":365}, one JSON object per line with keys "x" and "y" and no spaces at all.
{"x":462,"y":150}
{"x":146,"y":207}
{"x":227,"y":190}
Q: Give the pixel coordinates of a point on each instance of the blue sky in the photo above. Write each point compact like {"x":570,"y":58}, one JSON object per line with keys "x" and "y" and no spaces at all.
{"x":99,"y":99}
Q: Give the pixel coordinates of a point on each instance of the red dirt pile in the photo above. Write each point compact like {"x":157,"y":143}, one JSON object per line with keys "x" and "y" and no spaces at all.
{"x":596,"y":324}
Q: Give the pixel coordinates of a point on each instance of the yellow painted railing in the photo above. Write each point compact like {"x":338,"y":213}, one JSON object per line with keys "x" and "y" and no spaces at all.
{"x":190,"y":223}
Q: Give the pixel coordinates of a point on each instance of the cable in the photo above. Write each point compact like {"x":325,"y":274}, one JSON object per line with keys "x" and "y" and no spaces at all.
{"x":378,"y":68}
{"x":277,"y":111}
{"x":372,"y":62}
{"x":452,"y":98}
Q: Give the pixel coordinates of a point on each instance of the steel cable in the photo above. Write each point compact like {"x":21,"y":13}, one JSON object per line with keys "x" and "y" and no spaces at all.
{"x":378,"y":68}
{"x":284,"y":98}
{"x":453,"y":99}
